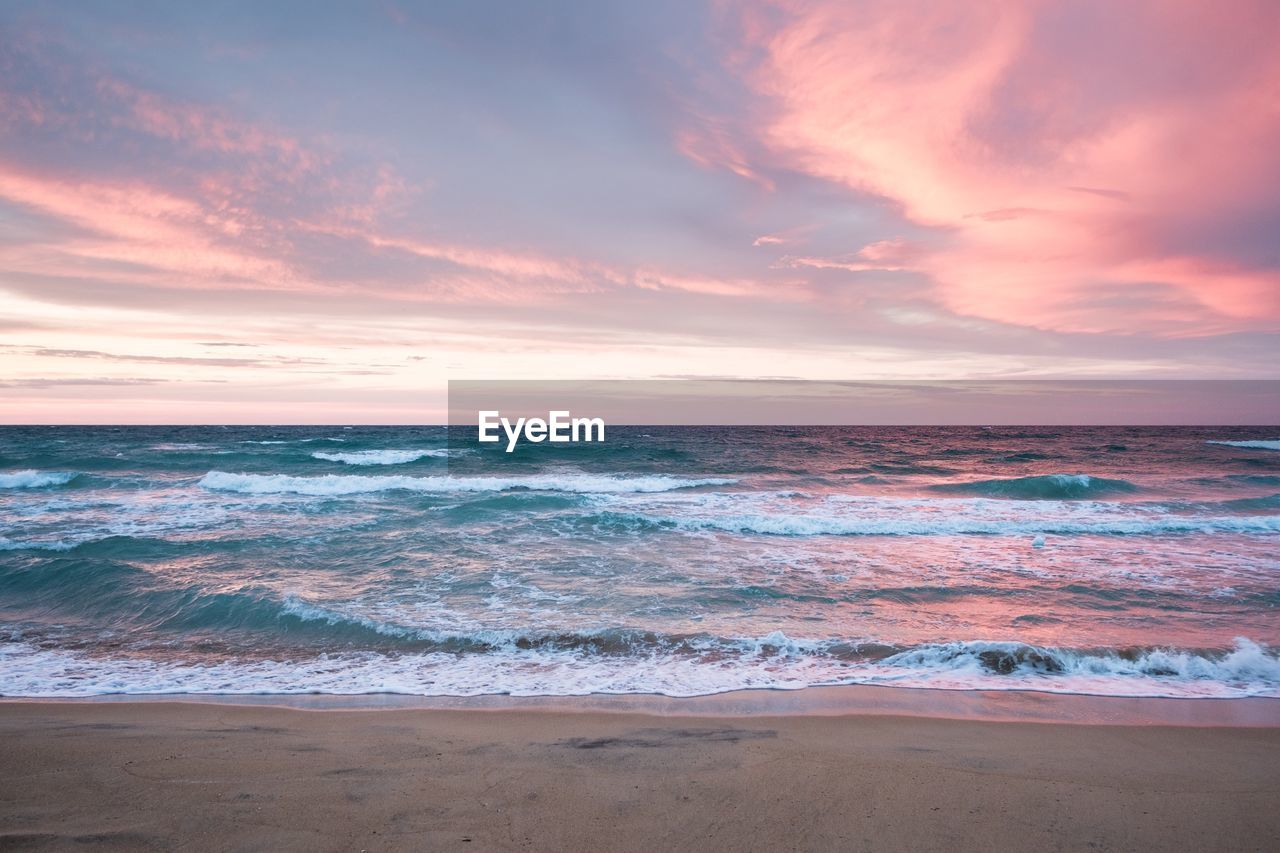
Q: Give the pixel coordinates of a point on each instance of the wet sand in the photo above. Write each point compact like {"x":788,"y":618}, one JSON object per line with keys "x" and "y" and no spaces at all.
{"x":164,"y":775}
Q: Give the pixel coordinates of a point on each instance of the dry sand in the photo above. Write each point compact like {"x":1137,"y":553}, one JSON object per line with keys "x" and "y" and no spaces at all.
{"x":151,"y":775}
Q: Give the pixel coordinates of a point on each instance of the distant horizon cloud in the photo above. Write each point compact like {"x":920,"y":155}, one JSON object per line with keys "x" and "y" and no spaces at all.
{"x":378,"y":200}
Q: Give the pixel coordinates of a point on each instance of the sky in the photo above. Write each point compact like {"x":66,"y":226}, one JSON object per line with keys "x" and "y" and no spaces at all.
{"x":322,"y":212}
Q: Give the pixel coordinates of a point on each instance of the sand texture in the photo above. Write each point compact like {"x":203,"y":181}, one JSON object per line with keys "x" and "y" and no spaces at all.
{"x":150,"y":775}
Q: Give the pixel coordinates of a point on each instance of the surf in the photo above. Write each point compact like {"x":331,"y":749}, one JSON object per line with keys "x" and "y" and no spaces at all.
{"x":1043,"y":487}
{"x":380,"y":457}
{"x":335,"y":485}
{"x":33,"y":479}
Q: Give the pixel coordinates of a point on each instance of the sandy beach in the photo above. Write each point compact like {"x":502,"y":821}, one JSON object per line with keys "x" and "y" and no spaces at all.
{"x":164,"y":775}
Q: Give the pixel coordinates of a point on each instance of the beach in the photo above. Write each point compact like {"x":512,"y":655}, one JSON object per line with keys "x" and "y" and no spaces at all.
{"x":696,"y":638}
{"x":137,"y":775}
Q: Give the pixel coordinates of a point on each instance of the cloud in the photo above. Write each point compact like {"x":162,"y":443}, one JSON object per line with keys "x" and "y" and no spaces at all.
{"x":202,"y":128}
{"x":135,"y":232}
{"x":1058,"y":148}
{"x":194,"y":361}
{"x":122,"y":183}
{"x":711,"y":144}
{"x":75,"y":382}
{"x":127,"y":189}
{"x":816,"y":188}
{"x":895,"y":255}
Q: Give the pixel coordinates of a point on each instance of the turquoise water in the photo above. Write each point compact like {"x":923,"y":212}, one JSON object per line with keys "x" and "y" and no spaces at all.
{"x":680,"y":560}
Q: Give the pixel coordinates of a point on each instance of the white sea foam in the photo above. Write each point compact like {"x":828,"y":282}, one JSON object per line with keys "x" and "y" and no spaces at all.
{"x":334,"y":485}
{"x":7,"y":544}
{"x":809,"y":525}
{"x":1247,"y":663}
{"x":775,"y":661}
{"x":1256,"y":445}
{"x":380,"y":457}
{"x":853,"y":515}
{"x":32,"y":479}
{"x":295,"y":606}
{"x":497,"y":638}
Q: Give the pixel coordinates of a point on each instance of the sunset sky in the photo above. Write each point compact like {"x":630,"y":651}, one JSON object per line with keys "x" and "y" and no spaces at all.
{"x":303,"y":212}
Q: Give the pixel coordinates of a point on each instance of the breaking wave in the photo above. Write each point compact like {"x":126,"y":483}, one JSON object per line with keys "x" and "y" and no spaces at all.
{"x":793,"y":524}
{"x":1247,"y":663}
{"x":7,"y":544}
{"x":1045,"y":487}
{"x":638,"y":662}
{"x":32,"y":479}
{"x":380,"y":457}
{"x":1255,"y":445}
{"x":333,"y":485}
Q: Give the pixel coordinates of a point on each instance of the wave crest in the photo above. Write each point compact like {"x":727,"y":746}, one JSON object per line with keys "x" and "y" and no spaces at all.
{"x":1246,"y":662}
{"x":1253,"y":445}
{"x":632,"y":662}
{"x":1044,"y":487}
{"x":337,"y":485}
{"x":33,"y":479}
{"x":925,"y":524}
{"x":380,"y":457}
{"x":7,"y":544}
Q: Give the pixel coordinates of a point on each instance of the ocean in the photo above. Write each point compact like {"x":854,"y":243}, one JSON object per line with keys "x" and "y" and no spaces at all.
{"x":667,"y":560}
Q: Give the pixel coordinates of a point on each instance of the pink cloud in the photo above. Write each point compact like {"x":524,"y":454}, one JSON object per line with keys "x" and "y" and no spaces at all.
{"x":712,"y":145}
{"x":883,"y":255}
{"x":1065,"y":150}
{"x":136,"y":224}
{"x":493,"y":273}
{"x":201,"y":127}
{"x":144,"y":235}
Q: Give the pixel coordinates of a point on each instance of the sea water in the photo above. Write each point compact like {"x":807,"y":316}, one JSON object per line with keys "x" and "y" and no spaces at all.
{"x":676,"y":560}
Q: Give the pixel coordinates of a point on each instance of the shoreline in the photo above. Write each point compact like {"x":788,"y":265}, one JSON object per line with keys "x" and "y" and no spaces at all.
{"x":1007,"y":706}
{"x":211,"y":775}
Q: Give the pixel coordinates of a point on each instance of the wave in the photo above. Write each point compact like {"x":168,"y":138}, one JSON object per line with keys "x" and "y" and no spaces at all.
{"x":1265,"y":503}
{"x":1255,"y":445}
{"x":337,"y":485}
{"x":1045,"y":487}
{"x":294,"y":606}
{"x":795,"y":524}
{"x":639,"y":662}
{"x":1025,"y":456}
{"x":790,"y":514}
{"x":32,"y":479}
{"x":7,"y":544}
{"x":380,"y":457}
{"x":1246,"y":662}
{"x":1254,"y":479}
{"x":114,"y":588}
{"x":291,"y":440}
{"x":605,"y":641}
